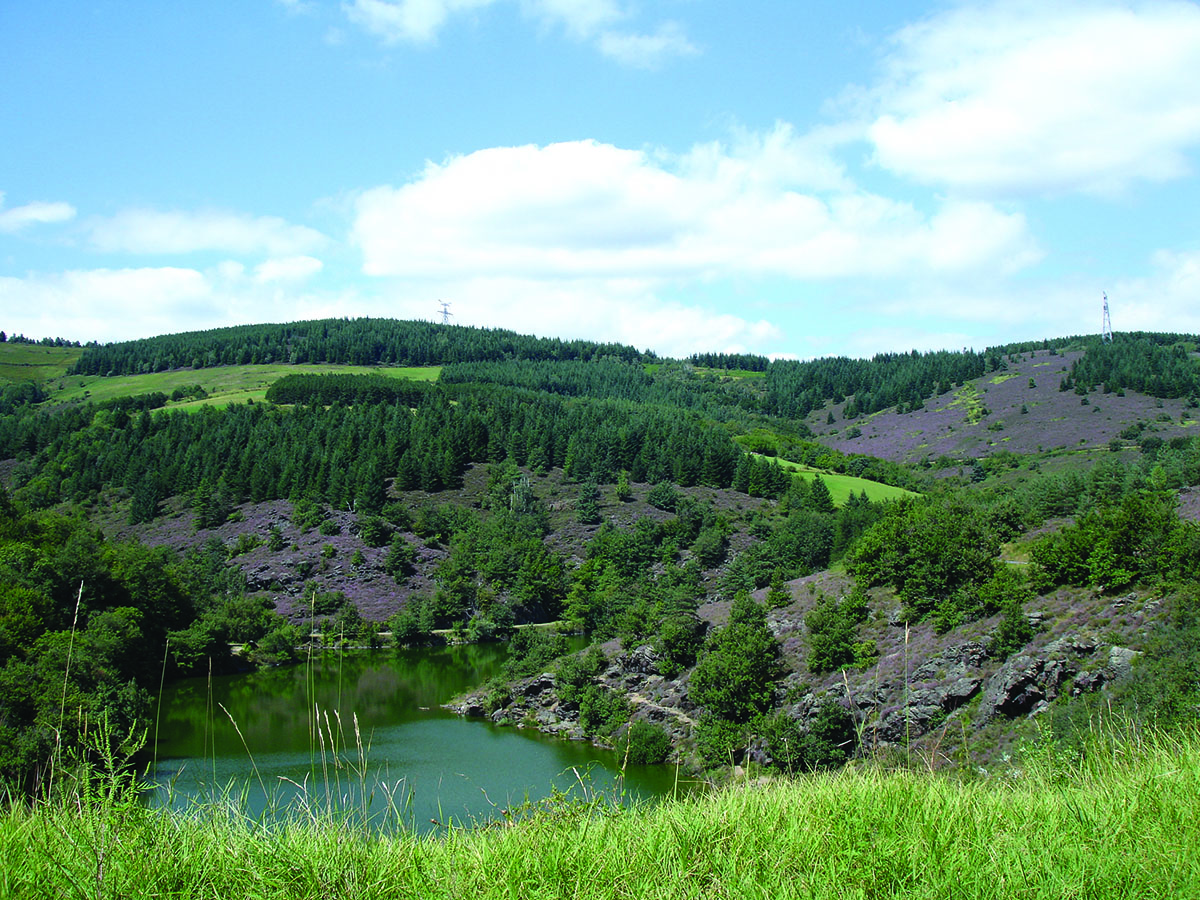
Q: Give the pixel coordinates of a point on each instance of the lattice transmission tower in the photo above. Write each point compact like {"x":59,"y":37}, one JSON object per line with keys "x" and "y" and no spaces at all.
{"x":1106,"y":329}
{"x":446,"y":314}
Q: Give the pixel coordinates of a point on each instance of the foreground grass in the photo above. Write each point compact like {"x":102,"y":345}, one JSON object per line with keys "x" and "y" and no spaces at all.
{"x":1124,"y":821}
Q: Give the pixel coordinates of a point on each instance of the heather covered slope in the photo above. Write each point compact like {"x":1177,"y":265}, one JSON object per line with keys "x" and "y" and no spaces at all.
{"x":1021,"y":408}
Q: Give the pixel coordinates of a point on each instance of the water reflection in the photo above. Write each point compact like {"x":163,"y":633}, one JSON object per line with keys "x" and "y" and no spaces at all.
{"x":294,"y":738}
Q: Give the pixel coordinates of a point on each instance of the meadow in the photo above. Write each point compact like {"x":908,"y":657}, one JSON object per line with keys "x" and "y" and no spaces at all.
{"x":1121,"y":820}
{"x":21,"y":362}
{"x":842,"y":486}
{"x":224,"y":385}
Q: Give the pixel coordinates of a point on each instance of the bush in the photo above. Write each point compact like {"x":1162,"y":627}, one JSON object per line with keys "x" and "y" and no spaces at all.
{"x":680,"y":638}
{"x":400,"y":558}
{"x":575,"y":673}
{"x":663,"y":496}
{"x":601,"y":711}
{"x":1014,"y":631}
{"x":831,"y":636}
{"x":374,"y":531}
{"x":720,"y":741}
{"x":646,"y":744}
{"x":735,"y":679}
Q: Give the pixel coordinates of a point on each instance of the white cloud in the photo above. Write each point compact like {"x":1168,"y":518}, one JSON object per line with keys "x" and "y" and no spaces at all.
{"x":586,"y":209}
{"x":646,"y":51}
{"x":1030,"y":97}
{"x":152,"y":231}
{"x":588,"y":239}
{"x":627,"y":311}
{"x":287,"y":269}
{"x":121,"y":304}
{"x":1164,"y":300}
{"x":582,"y":19}
{"x":36,"y":213}
{"x":413,"y":21}
{"x":593,"y":21}
{"x":104,"y":304}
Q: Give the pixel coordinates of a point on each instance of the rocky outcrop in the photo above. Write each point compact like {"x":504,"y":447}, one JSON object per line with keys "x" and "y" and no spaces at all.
{"x":1027,"y":683}
{"x":535,"y":702}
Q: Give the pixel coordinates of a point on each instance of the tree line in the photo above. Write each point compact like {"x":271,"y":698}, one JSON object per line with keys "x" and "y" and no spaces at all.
{"x":362,"y":342}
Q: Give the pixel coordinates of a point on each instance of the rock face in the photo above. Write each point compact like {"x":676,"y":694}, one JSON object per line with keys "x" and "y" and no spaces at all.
{"x":535,"y":702}
{"x":1028,"y":682}
{"x":940,"y":685}
{"x":891,"y":708}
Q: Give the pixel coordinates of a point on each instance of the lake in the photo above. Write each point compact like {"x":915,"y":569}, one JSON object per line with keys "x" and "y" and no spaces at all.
{"x":363,"y":733}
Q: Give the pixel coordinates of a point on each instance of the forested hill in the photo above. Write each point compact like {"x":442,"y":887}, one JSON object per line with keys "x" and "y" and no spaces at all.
{"x":360,"y":342}
{"x":1160,"y":365}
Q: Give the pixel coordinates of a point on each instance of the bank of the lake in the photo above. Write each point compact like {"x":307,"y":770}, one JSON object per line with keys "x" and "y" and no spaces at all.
{"x":1123,"y":820}
{"x":367,"y":731}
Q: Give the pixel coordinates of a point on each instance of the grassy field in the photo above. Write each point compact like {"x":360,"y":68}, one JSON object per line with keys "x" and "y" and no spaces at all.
{"x":30,"y":362}
{"x":224,"y":385}
{"x":841,"y":486}
{"x":1121,"y":821}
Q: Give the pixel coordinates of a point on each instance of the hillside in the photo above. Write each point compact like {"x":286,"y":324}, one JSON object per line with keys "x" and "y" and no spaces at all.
{"x":1022,"y":409}
{"x":778,"y":591}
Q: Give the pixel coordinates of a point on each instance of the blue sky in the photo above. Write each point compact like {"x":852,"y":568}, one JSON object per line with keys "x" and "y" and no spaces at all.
{"x":783,"y":178}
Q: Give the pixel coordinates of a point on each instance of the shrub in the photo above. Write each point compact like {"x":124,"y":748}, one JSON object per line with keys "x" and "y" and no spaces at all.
{"x":735,"y":679}
{"x":719,"y":741}
{"x":663,"y":496}
{"x":1014,"y":630}
{"x":374,"y":531}
{"x":831,"y":634}
{"x":646,"y":744}
{"x":601,"y":711}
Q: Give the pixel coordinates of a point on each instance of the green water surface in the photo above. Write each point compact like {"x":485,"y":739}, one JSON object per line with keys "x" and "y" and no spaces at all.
{"x":364,"y":734}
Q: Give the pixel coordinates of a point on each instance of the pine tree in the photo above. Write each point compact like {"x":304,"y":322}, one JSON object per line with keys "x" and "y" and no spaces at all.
{"x":777,"y":594}
{"x":819,"y":499}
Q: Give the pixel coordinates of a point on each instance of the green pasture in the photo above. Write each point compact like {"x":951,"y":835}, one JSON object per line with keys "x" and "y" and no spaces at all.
{"x":31,"y":362}
{"x":225,"y":385}
{"x":841,"y":486}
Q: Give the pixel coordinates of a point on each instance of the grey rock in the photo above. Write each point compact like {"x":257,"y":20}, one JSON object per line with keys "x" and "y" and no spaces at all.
{"x":1120,"y":662}
{"x":642,"y":660}
{"x":1086,"y":682}
{"x":537,"y":685}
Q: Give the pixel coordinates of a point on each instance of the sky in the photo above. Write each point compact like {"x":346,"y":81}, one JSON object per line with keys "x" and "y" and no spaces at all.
{"x":769,"y":176}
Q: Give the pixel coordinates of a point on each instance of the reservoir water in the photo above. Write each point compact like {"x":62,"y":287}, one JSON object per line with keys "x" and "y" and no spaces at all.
{"x":365,"y":733}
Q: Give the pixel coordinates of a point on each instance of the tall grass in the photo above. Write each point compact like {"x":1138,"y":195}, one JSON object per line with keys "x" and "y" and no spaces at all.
{"x":1119,"y":820}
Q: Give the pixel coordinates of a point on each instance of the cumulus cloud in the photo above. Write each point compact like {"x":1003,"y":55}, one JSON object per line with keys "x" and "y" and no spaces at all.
{"x":287,"y":269}
{"x":581,"y":19}
{"x":593,"y":21}
{"x":646,"y":51}
{"x":37,"y":213}
{"x":412,"y":21}
{"x":154,"y":231}
{"x":586,"y":209}
{"x":100,"y":304}
{"x":1026,"y":97}
{"x":585,"y":238}
{"x":624,"y":310}
{"x":121,"y":304}
{"x":1163,"y":300}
